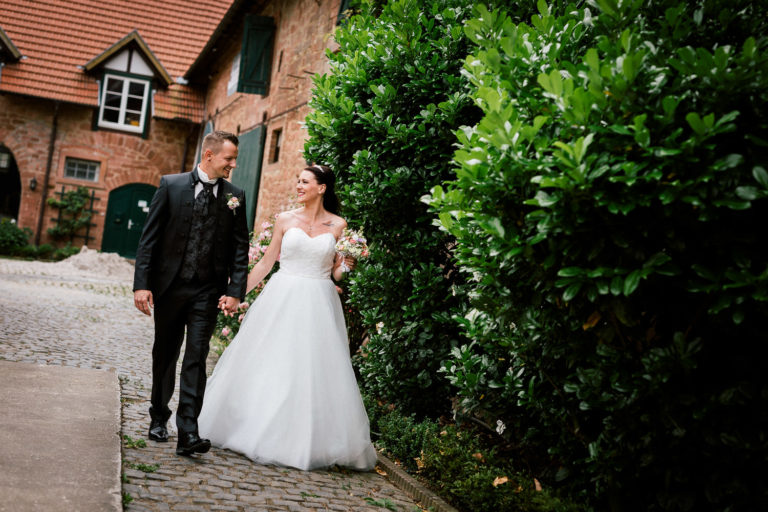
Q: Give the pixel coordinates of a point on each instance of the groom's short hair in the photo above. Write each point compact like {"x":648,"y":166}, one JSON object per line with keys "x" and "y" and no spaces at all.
{"x":215,"y":139}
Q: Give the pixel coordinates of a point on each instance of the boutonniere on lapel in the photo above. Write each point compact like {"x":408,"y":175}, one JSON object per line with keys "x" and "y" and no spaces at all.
{"x":233,"y":203}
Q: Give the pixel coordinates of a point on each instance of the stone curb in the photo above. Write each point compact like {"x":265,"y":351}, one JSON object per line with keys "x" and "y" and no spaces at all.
{"x":408,"y":484}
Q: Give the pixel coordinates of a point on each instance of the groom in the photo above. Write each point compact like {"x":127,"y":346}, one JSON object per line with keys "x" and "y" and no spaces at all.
{"x":193,"y":250}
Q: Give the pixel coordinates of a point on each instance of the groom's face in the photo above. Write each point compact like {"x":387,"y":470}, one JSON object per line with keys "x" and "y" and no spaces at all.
{"x":220,"y":164}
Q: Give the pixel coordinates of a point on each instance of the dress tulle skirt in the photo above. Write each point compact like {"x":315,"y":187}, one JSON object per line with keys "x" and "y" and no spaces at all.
{"x":284,"y":391}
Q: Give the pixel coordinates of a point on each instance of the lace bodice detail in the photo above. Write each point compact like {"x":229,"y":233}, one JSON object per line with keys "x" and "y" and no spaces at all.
{"x":307,"y":256}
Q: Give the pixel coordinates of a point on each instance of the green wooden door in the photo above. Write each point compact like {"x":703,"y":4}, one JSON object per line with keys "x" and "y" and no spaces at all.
{"x":126,"y":213}
{"x":247,"y":174}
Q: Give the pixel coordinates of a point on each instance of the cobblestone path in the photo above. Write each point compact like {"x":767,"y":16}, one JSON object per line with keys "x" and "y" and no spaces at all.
{"x":88,"y":322}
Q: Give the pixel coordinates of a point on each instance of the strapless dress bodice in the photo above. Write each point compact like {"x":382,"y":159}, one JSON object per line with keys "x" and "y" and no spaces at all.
{"x":306,"y":256}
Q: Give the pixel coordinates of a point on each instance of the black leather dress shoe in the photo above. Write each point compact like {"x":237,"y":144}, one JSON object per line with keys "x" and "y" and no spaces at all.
{"x":190,"y":443}
{"x":157,"y":431}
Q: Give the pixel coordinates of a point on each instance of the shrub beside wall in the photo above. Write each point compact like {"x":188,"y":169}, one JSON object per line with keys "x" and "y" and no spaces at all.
{"x":383,"y":119}
{"x":12,"y":237}
{"x":608,"y":211}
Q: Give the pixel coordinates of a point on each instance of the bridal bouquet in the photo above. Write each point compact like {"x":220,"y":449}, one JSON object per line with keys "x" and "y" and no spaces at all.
{"x":352,"y":243}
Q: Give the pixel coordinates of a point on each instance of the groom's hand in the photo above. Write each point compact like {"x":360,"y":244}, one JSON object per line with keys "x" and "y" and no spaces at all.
{"x":143,"y":301}
{"x":230,"y":305}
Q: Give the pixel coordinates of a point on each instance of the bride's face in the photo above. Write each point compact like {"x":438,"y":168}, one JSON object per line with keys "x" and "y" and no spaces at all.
{"x":307,"y":187}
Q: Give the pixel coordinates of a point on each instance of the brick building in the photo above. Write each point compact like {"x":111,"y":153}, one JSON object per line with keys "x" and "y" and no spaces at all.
{"x":92,"y":94}
{"x":257,"y":70}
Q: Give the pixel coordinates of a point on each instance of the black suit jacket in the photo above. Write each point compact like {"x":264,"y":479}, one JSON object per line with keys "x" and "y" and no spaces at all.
{"x":165,"y":234}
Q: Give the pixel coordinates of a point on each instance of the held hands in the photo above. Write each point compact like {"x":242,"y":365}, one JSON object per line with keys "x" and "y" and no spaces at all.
{"x":228,"y":305}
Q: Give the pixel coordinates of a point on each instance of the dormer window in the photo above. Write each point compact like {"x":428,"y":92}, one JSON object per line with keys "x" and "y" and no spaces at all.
{"x":124,"y":103}
{"x":128,"y":71}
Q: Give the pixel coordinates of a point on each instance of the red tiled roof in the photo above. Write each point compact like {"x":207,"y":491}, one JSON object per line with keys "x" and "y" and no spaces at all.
{"x":57,"y":38}
{"x":180,"y":102}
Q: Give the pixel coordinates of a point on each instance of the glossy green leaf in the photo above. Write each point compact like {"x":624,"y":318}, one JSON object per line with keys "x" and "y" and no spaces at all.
{"x":760,"y":175}
{"x":631,"y":282}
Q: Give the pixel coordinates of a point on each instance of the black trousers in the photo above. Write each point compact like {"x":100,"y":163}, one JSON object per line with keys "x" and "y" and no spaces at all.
{"x":190,"y":305}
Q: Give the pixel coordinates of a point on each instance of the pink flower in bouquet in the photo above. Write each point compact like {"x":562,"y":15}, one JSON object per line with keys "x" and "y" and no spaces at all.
{"x":240,"y":318}
{"x":244,"y":305}
{"x":225,"y":331}
{"x":352,"y":243}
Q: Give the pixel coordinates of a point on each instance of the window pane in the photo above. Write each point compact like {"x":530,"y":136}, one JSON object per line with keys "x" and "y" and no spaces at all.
{"x":132,"y":118}
{"x":134,"y":104}
{"x":112,"y":100}
{"x":114,"y":85}
{"x":81,"y":169}
{"x":136,"y":89}
{"x":112,"y":115}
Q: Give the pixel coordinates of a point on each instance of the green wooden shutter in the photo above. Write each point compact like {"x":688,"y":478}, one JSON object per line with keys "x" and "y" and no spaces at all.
{"x":247,"y":174}
{"x":256,"y":54}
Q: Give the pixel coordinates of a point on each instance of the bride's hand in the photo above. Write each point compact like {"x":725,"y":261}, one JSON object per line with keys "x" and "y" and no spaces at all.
{"x":346,"y":263}
{"x":350,"y":262}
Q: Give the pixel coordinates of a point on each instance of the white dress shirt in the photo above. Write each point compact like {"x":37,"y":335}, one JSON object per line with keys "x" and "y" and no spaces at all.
{"x":204,"y":177}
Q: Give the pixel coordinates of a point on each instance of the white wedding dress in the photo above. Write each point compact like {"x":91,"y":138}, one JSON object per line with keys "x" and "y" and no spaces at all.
{"x":284,"y":391}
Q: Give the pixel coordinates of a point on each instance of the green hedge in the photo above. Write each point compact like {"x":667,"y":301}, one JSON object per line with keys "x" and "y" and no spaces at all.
{"x":12,"y":237}
{"x":383,"y":119}
{"x":609,"y":211}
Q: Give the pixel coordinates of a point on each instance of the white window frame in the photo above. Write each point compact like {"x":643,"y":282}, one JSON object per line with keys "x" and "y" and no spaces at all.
{"x":234,"y":75}
{"x":121,"y":124}
{"x":87,"y":163}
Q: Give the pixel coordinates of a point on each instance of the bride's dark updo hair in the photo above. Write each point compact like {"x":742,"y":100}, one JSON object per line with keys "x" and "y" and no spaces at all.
{"x":324,"y":176}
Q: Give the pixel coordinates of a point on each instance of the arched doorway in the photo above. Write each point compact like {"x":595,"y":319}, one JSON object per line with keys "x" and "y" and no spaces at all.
{"x":10,"y":185}
{"x":127,"y":209}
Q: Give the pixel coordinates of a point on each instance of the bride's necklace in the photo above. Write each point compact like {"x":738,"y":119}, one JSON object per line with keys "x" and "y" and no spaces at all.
{"x":312,"y":224}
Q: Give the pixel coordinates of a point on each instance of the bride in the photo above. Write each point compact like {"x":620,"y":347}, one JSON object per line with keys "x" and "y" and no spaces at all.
{"x":284,"y":391}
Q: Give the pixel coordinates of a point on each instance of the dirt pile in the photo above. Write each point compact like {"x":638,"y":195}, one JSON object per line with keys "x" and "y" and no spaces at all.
{"x":89,"y":262}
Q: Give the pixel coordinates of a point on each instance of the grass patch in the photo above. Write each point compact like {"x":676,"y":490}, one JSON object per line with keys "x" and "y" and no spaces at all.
{"x":134,"y":443}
